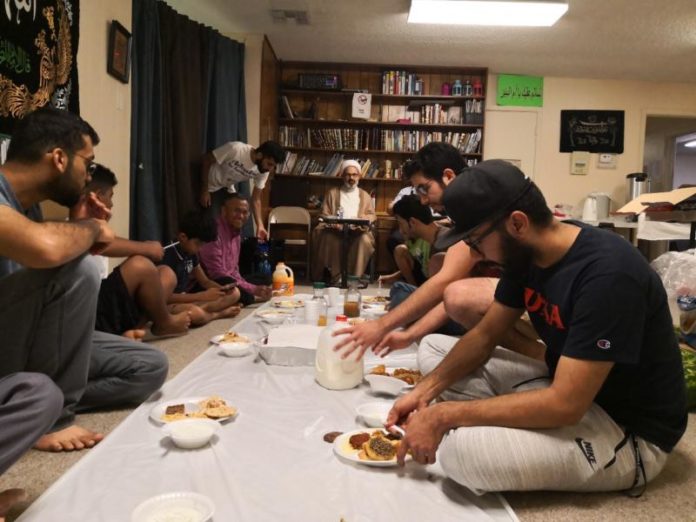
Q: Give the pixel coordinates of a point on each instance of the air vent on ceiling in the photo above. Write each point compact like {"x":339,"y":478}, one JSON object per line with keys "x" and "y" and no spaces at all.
{"x":281,"y":16}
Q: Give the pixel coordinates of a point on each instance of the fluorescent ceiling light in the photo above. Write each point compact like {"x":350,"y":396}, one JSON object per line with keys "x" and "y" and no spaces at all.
{"x":691,"y":144}
{"x":485,"y":12}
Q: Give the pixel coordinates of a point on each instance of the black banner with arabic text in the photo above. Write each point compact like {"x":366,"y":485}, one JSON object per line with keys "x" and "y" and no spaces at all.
{"x":38,"y":57}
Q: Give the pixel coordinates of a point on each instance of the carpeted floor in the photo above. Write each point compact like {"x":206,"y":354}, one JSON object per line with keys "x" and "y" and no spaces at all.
{"x":671,"y":497}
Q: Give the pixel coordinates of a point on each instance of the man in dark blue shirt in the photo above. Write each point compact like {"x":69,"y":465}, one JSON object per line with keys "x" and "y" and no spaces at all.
{"x":604,"y":408}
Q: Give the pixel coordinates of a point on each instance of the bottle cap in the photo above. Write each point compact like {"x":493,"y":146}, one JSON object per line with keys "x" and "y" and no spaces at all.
{"x":319,"y":285}
{"x":341,"y":318}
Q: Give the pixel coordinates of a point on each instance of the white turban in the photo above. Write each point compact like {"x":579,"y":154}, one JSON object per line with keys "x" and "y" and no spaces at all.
{"x":350,"y":163}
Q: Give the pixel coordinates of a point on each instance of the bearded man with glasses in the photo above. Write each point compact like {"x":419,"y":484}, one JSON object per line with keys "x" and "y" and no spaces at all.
{"x":605,"y":405}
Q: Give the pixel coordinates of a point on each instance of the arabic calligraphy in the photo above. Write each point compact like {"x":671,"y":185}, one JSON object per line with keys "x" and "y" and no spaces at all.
{"x":511,"y":91}
{"x":592,"y":131}
{"x":14,"y":58}
{"x":28,"y":6}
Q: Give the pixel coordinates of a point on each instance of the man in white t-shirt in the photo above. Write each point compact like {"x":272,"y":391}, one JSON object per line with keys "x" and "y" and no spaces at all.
{"x":235,"y":162}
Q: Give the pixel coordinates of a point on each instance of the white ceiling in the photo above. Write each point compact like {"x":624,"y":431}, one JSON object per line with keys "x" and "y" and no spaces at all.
{"x":618,"y":39}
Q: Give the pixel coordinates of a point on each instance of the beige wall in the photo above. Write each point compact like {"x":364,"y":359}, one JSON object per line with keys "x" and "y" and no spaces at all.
{"x":637,"y":99}
{"x":105,"y":102}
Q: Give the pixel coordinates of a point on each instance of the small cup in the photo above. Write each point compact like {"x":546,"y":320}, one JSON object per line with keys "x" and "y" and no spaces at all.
{"x":311,"y":312}
{"x":334,"y":295}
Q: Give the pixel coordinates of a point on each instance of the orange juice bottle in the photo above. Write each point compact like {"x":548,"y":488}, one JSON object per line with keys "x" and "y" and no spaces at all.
{"x":283,"y":281}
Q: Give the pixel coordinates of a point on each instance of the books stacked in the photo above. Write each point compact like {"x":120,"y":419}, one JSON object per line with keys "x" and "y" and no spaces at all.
{"x":399,"y":82}
{"x":300,"y":165}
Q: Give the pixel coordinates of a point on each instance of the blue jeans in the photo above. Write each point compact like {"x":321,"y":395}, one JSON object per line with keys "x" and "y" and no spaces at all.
{"x":400,"y":291}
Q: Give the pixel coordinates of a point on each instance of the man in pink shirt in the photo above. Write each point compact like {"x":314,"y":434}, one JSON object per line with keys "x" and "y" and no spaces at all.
{"x":220,"y":258}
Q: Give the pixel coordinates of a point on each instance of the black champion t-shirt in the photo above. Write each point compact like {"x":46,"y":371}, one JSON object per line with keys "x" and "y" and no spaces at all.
{"x":603,"y":302}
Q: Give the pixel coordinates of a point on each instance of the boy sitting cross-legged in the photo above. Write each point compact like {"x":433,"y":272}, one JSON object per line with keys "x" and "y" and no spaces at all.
{"x":137,"y":291}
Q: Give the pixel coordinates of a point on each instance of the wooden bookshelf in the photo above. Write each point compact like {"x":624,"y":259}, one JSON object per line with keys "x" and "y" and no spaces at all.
{"x":319,"y":119}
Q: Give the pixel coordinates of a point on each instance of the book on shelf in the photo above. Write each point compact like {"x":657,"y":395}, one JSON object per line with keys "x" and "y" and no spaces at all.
{"x":285,"y":106}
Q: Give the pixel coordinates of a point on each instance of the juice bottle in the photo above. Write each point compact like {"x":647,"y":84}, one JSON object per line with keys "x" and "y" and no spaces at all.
{"x":283,"y":281}
{"x":351,"y":304}
{"x":323,"y":305}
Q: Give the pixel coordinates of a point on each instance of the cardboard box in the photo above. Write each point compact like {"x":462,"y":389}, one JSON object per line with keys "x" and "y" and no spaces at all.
{"x":657,"y":200}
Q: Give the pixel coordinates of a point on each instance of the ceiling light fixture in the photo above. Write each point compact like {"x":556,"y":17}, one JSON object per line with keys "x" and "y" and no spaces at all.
{"x":691,"y":144}
{"x":486,"y":12}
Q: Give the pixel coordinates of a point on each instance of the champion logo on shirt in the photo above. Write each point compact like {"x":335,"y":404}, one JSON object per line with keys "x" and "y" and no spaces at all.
{"x":604,"y":344}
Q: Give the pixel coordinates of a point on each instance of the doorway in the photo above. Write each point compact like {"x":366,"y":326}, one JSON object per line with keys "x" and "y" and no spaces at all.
{"x":665,"y":158}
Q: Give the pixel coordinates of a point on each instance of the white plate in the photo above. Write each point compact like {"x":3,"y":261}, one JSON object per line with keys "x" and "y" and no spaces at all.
{"x":274,"y":316}
{"x":343,"y":449}
{"x":288,"y":303}
{"x":386,"y":384}
{"x":374,"y":300}
{"x":162,"y":508}
{"x":190,"y":406}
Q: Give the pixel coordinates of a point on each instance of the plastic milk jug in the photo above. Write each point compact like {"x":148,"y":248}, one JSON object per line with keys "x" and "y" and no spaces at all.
{"x":330,"y":370}
{"x":283,"y":281}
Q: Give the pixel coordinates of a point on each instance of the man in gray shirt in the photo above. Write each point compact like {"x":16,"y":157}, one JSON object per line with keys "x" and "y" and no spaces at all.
{"x":48,"y":292}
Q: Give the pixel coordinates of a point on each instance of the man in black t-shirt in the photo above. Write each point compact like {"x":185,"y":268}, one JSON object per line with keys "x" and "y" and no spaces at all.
{"x":607,"y":404}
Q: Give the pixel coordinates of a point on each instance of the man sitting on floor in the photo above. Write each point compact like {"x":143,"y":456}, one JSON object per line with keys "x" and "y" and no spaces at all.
{"x":181,"y":271}
{"x":417,"y":227}
{"x":48,"y":286}
{"x":220,"y":258}
{"x":347,"y":201}
{"x":608,"y":403}
{"x":132,"y":293}
{"x":454,"y":298}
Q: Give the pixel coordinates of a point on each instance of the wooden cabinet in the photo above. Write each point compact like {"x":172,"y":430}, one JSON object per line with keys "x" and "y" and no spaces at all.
{"x":408,"y":109}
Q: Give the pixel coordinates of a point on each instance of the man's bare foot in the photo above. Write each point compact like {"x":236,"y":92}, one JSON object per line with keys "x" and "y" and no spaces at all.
{"x":232,"y":311}
{"x":136,"y":334}
{"x":9,"y":498}
{"x":68,"y":439}
{"x":178,"y":324}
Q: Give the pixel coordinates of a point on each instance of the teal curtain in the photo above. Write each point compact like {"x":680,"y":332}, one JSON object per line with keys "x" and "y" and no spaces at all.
{"x":188,"y":98}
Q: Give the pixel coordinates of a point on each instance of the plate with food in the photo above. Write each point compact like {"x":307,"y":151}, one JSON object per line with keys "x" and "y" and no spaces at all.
{"x":369,"y":447}
{"x":392,"y":381}
{"x":375,"y":300}
{"x":212,"y":407}
{"x":230,"y":337}
{"x":288,"y":304}
{"x":274,"y":315}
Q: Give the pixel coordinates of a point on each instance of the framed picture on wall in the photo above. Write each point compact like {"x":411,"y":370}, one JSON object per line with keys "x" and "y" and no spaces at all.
{"x":118,"y":61}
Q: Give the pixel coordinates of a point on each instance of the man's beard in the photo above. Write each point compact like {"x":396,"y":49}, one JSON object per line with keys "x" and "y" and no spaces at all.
{"x":350,"y":188}
{"x":517,"y":258}
{"x":64,"y":190}
{"x":258,"y":166}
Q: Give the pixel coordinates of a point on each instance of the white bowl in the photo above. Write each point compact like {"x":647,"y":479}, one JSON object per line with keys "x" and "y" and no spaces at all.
{"x":194,"y":506}
{"x":236,"y":349}
{"x":271,"y":316}
{"x":386,"y":385}
{"x":192,"y":433}
{"x":374,"y":414}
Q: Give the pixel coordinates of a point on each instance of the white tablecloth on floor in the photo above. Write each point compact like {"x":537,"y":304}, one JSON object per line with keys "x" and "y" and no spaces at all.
{"x":269,"y":464}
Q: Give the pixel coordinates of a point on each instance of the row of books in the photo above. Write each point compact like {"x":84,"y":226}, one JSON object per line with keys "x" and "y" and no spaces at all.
{"x":297,"y":165}
{"x":435,"y":113}
{"x":401,"y":82}
{"x":412,"y":141}
{"x":376,"y":139}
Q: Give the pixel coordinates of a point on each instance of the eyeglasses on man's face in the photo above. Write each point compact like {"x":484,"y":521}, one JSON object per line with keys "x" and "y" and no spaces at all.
{"x":475,"y":244}
{"x":90,"y":166}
